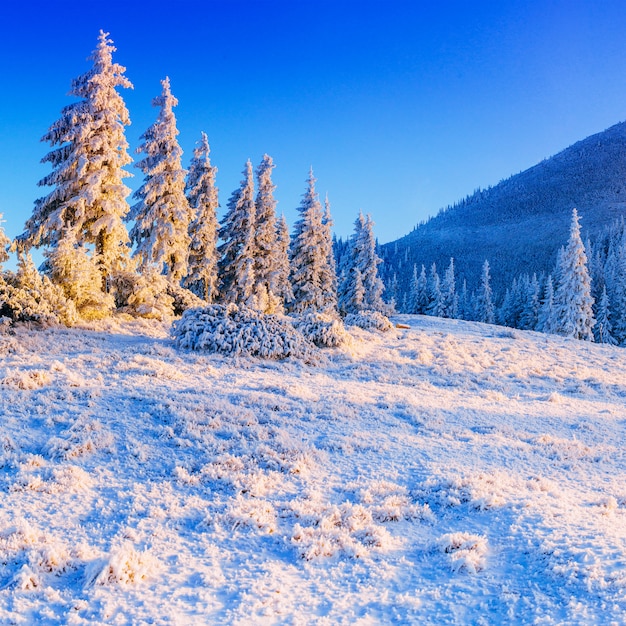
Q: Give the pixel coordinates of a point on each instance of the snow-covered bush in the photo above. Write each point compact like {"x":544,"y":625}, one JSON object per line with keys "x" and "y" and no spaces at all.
{"x":143,"y":295}
{"x":230,"y":329}
{"x":466,"y":552}
{"x":73,"y":268}
{"x":344,"y":530}
{"x":369,"y":320}
{"x":125,"y":566}
{"x":27,"y":296}
{"x":183,"y":299}
{"x":325,"y":331}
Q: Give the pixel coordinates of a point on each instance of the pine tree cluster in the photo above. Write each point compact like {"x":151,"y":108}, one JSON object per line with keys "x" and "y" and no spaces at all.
{"x":584,"y":297}
{"x":177,"y":254}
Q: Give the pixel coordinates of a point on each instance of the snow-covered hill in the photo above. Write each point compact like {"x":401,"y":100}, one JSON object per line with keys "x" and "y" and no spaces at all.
{"x":450,"y":472}
{"x":519,"y":224}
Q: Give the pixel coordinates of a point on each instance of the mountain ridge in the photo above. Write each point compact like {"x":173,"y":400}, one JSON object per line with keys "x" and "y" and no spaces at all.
{"x":519,"y":224}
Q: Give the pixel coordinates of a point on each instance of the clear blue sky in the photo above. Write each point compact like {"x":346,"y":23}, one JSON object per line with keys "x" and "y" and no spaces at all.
{"x":401,"y":107}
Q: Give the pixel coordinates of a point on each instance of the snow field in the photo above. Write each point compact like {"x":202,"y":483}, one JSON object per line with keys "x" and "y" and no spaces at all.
{"x":452,"y":472}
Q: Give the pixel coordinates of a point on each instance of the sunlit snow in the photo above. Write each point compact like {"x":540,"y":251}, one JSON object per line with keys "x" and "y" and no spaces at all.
{"x":451,"y":471}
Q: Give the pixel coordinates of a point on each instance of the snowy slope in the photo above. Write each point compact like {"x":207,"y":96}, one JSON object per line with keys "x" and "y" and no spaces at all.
{"x":452,"y":472}
{"x":519,"y":224}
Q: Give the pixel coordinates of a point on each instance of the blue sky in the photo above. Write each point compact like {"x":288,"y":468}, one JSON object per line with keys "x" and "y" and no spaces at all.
{"x":400,"y":107}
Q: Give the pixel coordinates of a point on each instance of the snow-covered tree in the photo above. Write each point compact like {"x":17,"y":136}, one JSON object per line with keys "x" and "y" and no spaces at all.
{"x":361,"y":287}
{"x":282,"y":285}
{"x":329,"y":282}
{"x":572,"y":299}
{"x":615,"y":273}
{"x":449,"y":298}
{"x":603,"y":330}
{"x":202,"y":197}
{"x":391,"y":293}
{"x":162,"y":214}
{"x":545,"y":318}
{"x":421,"y":297}
{"x":311,"y":244}
{"x":530,"y":304}
{"x":370,"y":261}
{"x":465,"y":310}
{"x":485,"y":311}
{"x":90,"y":150}
{"x":265,"y":240}
{"x":435,"y":299}
{"x":414,"y":292}
{"x":236,"y":263}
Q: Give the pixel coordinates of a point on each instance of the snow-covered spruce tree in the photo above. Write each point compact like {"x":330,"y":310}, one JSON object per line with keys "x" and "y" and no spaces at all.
{"x":435,"y":300}
{"x":236,"y":253}
{"x":603,"y":330}
{"x":391,"y":295}
{"x":282,"y":285}
{"x":465,"y":310}
{"x":449,"y":298}
{"x":572,"y":299}
{"x":372,"y":284}
{"x":311,"y":245}
{"x":88,"y":195}
{"x":413,"y":292}
{"x":528,"y":302}
{"x":203,"y":201}
{"x":615,"y":273}
{"x":545,"y":317}
{"x":162,"y":214}
{"x":351,"y":293}
{"x":266,"y":241}
{"x":485,"y":311}
{"x":361,"y":288}
{"x":422,"y":301}
{"x":329,"y":280}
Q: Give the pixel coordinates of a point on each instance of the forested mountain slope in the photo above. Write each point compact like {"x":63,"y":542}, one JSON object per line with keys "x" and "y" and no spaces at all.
{"x":519,"y":224}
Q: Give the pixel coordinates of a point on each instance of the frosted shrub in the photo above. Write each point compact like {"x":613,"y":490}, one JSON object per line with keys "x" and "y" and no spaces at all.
{"x":369,"y":320}
{"x":183,"y":299}
{"x":254,"y":513}
{"x":346,"y":530}
{"x":238,"y":330}
{"x":325,"y":331}
{"x":143,"y":295}
{"x":41,"y":302}
{"x":466,"y":552}
{"x":125,"y":566}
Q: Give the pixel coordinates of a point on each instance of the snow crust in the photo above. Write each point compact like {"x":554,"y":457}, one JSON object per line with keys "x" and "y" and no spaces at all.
{"x":452,"y":472}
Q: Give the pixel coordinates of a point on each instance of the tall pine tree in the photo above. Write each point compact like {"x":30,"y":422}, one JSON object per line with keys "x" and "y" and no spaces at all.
{"x":435,"y":299}
{"x":90,"y":151}
{"x":545,"y":319}
{"x":162,"y":214}
{"x":203,"y":200}
{"x":311,"y":245}
{"x":266,"y":240}
{"x":449,"y":298}
{"x":485,"y":310}
{"x":361,"y":287}
{"x":603,"y":330}
{"x":572,"y":299}
{"x":236,"y":263}
{"x":282,"y":285}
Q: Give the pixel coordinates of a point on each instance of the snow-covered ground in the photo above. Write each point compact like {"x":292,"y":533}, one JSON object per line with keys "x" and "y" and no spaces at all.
{"x":451,"y":472}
